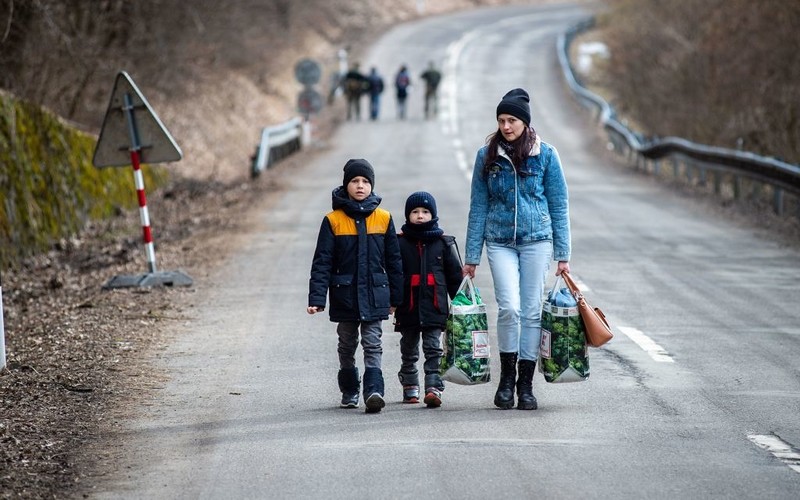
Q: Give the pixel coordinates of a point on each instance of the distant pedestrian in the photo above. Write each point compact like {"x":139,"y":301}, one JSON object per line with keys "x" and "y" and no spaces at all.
{"x":355,"y":85}
{"x":357,"y":265}
{"x":432,"y":78}
{"x":519,"y":208}
{"x":402,"y":84}
{"x":431,"y":274}
{"x":375,"y":91}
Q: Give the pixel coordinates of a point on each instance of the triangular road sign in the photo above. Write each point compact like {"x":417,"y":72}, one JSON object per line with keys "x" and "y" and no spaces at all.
{"x":116,"y":137}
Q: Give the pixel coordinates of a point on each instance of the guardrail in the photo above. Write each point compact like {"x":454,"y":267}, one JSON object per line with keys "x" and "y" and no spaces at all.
{"x":277,"y":142}
{"x":695,"y":160}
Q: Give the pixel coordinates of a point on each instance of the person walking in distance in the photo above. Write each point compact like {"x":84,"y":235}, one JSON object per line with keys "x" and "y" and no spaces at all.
{"x":357,"y":262}
{"x":402,"y":84}
{"x":355,"y":85}
{"x":375,"y":91}
{"x":519,"y":208}
{"x":432,"y":77}
{"x":431,"y":274}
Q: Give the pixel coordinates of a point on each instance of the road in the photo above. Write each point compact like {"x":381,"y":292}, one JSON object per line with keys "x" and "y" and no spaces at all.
{"x":693,"y":398}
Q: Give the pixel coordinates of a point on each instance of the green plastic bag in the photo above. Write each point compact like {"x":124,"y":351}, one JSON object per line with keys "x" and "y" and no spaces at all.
{"x":563,"y":352}
{"x":465,"y":359}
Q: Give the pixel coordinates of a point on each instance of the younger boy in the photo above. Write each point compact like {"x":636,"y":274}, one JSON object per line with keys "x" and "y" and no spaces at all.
{"x":357,"y":261}
{"x":431,"y":272}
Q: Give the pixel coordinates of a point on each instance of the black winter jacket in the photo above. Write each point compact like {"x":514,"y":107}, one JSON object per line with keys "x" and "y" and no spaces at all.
{"x":357,"y":261}
{"x":425,"y":299}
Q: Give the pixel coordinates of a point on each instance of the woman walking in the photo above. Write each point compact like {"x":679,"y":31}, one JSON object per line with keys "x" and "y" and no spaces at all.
{"x":519,"y":208}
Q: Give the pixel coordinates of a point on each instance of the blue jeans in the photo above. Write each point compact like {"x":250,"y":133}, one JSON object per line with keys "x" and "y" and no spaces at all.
{"x":371,"y":332}
{"x":519,"y":275}
{"x":374,"y":106}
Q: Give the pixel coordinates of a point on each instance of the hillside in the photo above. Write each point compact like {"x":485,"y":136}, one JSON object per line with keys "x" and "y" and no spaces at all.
{"x":214,"y":72}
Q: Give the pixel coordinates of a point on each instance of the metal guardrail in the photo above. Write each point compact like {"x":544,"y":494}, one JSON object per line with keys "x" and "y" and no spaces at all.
{"x":277,"y":142}
{"x":771,"y":171}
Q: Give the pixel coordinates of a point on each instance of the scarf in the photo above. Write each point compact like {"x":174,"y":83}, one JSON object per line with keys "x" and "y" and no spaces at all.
{"x":427,"y":231}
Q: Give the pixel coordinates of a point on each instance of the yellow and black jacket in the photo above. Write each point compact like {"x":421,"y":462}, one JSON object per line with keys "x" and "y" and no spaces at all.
{"x":356,"y":261}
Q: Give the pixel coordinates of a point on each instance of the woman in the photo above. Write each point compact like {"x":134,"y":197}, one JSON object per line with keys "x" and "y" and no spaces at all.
{"x":519,"y":208}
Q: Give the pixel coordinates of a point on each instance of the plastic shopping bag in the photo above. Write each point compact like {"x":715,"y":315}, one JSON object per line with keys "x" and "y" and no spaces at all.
{"x":465,"y":359}
{"x":563,"y":352}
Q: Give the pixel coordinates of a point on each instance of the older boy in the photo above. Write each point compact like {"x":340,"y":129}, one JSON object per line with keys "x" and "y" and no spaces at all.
{"x":357,"y":261}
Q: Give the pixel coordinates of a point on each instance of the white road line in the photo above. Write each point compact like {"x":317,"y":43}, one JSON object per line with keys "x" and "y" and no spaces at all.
{"x":449,"y":118}
{"x":654,"y":350}
{"x":779,"y":448}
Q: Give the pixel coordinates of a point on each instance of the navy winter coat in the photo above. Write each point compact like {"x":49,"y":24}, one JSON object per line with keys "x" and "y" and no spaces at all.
{"x":357,"y":261}
{"x":431,"y":272}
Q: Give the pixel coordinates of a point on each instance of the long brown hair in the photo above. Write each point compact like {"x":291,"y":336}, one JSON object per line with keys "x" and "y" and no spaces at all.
{"x":522,"y":148}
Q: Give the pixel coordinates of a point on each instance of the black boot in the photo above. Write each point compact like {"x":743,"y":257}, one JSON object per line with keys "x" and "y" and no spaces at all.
{"x":526,"y":400}
{"x":373,"y":390}
{"x":504,"y":397}
{"x":349,"y":385}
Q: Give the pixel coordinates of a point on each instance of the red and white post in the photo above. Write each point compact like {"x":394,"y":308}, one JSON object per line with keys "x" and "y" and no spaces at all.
{"x":138,"y":180}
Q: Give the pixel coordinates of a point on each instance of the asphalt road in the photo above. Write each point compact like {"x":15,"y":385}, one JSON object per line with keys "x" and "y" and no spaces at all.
{"x":693,"y":398}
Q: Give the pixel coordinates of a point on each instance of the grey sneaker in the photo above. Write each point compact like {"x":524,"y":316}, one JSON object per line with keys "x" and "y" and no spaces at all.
{"x":410,"y":394}
{"x":374,"y":403}
{"x":349,"y":400}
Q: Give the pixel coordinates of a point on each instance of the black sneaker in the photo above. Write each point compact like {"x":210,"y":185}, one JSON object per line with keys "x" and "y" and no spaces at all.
{"x":374,"y":403}
{"x":349,"y":400}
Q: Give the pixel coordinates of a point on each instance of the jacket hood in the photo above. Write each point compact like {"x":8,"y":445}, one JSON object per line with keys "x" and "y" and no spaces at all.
{"x":353,"y":208}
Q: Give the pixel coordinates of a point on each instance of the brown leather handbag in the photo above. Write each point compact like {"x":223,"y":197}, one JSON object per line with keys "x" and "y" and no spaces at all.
{"x":594,"y":321}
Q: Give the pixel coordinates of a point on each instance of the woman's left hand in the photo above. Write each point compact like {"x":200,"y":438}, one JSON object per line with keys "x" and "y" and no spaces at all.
{"x":563,"y":265}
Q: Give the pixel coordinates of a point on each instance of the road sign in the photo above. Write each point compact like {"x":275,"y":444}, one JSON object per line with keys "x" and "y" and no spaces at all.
{"x":114,"y":146}
{"x":307,"y":72}
{"x":309,"y":101}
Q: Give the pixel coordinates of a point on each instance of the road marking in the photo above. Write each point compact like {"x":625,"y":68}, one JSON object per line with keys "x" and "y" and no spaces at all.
{"x":779,"y":448}
{"x":654,"y":350}
{"x":449,"y":119}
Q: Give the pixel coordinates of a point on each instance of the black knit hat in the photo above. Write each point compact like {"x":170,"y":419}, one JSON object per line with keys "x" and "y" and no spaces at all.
{"x":356,"y":167}
{"x":421,"y":199}
{"x":516,"y":103}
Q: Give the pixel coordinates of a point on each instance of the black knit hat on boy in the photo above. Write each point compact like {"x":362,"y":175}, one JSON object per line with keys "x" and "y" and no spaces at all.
{"x":356,"y":167}
{"x":516,"y":103}
{"x":421,"y":199}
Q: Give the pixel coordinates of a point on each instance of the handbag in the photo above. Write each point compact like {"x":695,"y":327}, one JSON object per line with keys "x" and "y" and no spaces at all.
{"x":465,"y":359}
{"x":563,"y":352}
{"x":598,"y":332}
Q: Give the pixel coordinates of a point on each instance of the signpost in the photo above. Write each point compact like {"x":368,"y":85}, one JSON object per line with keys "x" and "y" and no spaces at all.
{"x":308,"y":72}
{"x":132,"y":134}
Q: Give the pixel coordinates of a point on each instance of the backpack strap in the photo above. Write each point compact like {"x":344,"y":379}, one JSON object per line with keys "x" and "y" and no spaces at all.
{"x":450,"y":243}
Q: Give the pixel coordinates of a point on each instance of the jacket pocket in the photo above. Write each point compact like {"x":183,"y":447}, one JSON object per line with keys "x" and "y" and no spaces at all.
{"x":380,"y":290}
{"x":341,"y":291}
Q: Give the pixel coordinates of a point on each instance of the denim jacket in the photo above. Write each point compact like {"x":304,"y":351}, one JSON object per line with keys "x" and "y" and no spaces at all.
{"x":515,"y":209}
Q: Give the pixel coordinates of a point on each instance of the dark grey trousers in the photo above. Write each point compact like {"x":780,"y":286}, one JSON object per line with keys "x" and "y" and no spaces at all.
{"x":409,"y":352}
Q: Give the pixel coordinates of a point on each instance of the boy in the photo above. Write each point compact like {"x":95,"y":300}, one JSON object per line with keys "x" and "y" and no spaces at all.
{"x":357,"y":261}
{"x":431,"y":272}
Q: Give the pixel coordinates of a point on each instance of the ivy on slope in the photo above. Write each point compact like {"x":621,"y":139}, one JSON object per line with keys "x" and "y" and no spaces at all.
{"x":48,"y":186}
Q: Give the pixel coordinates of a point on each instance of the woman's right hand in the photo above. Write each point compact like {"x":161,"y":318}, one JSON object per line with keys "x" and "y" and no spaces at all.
{"x":468,"y":269}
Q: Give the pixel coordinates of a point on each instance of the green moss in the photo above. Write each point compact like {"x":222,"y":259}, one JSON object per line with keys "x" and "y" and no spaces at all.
{"x":48,"y":186}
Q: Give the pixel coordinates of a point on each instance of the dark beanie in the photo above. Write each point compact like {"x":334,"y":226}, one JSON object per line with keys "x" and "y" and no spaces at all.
{"x":356,"y":167}
{"x":516,"y":103}
{"x":421,"y":199}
